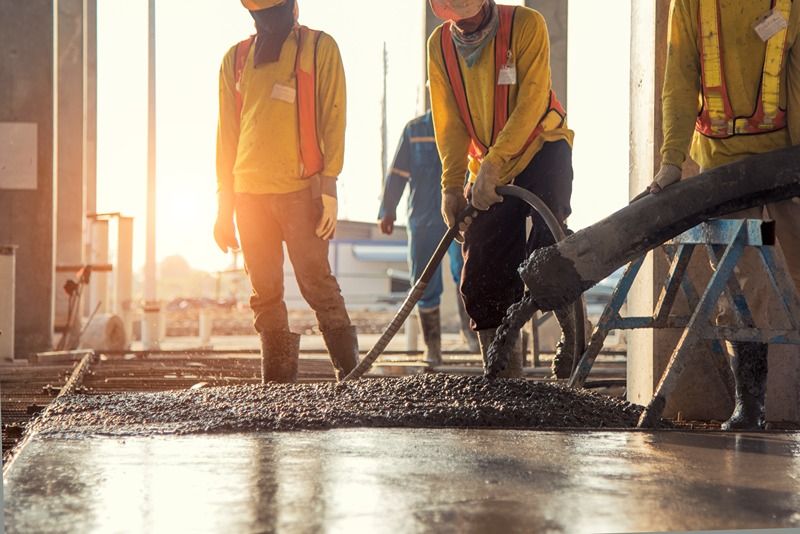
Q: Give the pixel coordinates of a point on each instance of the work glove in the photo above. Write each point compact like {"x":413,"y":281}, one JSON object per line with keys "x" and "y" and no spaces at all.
{"x":484,"y":191}
{"x":453,"y":203}
{"x":387,"y":224}
{"x":327,"y":222}
{"x":224,"y":227}
{"x":666,"y":176}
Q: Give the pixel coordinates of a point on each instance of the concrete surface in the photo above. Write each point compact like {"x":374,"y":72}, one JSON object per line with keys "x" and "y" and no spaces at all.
{"x":27,"y":209}
{"x":407,"y":481}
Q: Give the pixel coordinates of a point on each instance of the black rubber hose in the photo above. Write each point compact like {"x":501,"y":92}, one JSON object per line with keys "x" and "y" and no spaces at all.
{"x":412,"y":298}
{"x":419,"y":287}
{"x":557,"y":230}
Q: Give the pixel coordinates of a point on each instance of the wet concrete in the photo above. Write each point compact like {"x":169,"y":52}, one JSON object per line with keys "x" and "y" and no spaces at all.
{"x":400,"y":480}
{"x":429,"y":400}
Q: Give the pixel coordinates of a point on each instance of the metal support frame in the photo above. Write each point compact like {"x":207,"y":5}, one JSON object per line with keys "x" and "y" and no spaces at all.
{"x":725,"y":241}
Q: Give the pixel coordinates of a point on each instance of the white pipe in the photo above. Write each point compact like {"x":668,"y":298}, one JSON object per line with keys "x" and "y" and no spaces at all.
{"x":7,"y":288}
{"x":150,"y":326}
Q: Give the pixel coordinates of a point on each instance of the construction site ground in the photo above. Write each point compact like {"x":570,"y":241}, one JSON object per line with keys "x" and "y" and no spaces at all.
{"x":367,"y":478}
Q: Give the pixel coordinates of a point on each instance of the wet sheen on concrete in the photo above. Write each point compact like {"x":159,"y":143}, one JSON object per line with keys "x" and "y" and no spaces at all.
{"x":400,"y":480}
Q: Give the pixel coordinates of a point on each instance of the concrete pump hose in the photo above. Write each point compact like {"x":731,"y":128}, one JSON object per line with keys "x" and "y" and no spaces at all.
{"x":557,"y":230}
{"x":419,"y":287}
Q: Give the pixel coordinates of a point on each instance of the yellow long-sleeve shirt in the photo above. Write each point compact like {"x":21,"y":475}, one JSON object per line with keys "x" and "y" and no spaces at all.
{"x":528,"y":101}
{"x":743,"y":61}
{"x":260,"y":153}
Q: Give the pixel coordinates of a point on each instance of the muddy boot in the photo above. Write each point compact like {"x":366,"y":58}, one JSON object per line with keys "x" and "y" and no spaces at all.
{"x":749,"y":365}
{"x":430,"y":323}
{"x":468,"y":335}
{"x":279,"y":353}
{"x":342,"y":346}
{"x":514,"y":365}
{"x":565,"y":349}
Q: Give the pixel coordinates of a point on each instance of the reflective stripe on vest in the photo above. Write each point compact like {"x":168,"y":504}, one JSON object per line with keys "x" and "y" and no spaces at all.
{"x":716,"y":118}
{"x":305,"y":69}
{"x":554,"y":116}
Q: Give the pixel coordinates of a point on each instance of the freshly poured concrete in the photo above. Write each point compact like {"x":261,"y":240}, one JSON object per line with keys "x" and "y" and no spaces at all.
{"x":401,"y":480}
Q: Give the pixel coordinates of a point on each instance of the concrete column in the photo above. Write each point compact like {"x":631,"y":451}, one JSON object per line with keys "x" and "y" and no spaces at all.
{"x":7,"y":274}
{"x":27,"y":194}
{"x":99,"y":281}
{"x":123,"y":274}
{"x":556,"y":13}
{"x":704,"y":392}
{"x":430,"y":22}
{"x":70,"y":137}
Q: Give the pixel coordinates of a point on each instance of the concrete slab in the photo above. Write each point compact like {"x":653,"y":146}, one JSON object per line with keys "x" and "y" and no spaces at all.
{"x":391,"y":480}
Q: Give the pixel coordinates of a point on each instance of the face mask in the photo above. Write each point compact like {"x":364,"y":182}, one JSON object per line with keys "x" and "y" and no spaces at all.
{"x":273,"y":26}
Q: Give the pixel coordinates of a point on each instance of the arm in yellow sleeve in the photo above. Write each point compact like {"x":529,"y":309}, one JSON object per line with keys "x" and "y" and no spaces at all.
{"x":793,"y":89}
{"x":452,"y":138}
{"x":532,"y":52}
{"x":331,"y":105}
{"x":227,"y":126}
{"x":682,"y":83}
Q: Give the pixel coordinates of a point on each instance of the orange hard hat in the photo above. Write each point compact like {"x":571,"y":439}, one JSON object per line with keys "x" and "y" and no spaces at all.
{"x":258,"y":5}
{"x":456,"y":9}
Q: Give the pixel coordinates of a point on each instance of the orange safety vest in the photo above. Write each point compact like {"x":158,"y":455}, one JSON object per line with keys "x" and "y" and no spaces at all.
{"x":503,"y":56}
{"x":305,"y":69}
{"x":716,"y":118}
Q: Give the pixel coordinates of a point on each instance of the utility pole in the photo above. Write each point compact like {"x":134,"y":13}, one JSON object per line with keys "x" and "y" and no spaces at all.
{"x":384,"y":133}
{"x":151,"y":330}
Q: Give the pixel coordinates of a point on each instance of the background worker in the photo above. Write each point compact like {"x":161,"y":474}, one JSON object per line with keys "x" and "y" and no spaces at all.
{"x":496,"y":116}
{"x":280,"y":148}
{"x":741,"y":60}
{"x":417,"y":164}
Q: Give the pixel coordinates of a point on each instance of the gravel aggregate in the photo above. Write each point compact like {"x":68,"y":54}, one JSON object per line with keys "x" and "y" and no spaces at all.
{"x":421,"y":401}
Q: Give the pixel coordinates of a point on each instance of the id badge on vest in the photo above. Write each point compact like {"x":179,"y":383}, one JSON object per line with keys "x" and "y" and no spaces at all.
{"x":769,"y":24}
{"x":508,"y":72}
{"x":284,"y":93}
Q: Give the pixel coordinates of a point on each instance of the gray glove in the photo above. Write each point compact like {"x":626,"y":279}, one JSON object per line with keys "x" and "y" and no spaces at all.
{"x":667,"y":175}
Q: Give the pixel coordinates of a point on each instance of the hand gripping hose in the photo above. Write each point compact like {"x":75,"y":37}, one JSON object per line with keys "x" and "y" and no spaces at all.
{"x":419,"y":287}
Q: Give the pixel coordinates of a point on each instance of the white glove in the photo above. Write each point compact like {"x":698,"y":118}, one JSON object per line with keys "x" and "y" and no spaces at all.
{"x":327,"y":223}
{"x":667,"y":175}
{"x":453,"y":203}
{"x":484,"y":191}
{"x":224,"y":226}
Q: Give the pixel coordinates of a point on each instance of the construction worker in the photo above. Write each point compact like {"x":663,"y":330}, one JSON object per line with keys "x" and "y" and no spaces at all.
{"x":496,"y":116}
{"x":417,"y":164}
{"x":280,"y":148}
{"x":732,"y":89}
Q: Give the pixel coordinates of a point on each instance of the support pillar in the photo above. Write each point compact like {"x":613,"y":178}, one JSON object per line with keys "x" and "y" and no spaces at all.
{"x":70,"y":140}
{"x":7,"y":274}
{"x":27,"y":180}
{"x":556,"y":13}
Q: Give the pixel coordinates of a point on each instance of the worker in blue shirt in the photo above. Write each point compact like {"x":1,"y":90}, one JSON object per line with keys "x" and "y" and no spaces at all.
{"x":417,"y":164}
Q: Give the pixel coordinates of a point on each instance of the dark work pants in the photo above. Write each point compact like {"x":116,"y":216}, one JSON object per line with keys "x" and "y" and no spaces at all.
{"x":265,"y":222}
{"x":495,"y":243}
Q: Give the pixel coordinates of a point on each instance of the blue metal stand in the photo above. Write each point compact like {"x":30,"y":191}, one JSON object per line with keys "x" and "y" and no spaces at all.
{"x":725,"y":242}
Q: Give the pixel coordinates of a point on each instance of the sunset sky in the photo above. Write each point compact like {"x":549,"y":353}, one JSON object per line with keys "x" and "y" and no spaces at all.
{"x":191,"y":43}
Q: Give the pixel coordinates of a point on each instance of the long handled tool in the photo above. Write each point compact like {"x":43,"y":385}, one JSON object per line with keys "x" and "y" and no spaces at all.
{"x":419,"y":287}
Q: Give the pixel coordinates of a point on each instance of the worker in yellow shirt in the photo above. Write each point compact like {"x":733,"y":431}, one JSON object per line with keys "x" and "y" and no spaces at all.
{"x":497,"y":118}
{"x":732,"y":89}
{"x":280,"y":149}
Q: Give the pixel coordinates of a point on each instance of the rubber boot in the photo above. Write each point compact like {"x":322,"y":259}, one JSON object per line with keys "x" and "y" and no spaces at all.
{"x":565,"y":348}
{"x":468,"y":335}
{"x":749,"y":365}
{"x":430,"y":323}
{"x":280,"y":351}
{"x":514,"y":365}
{"x":342,"y":346}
